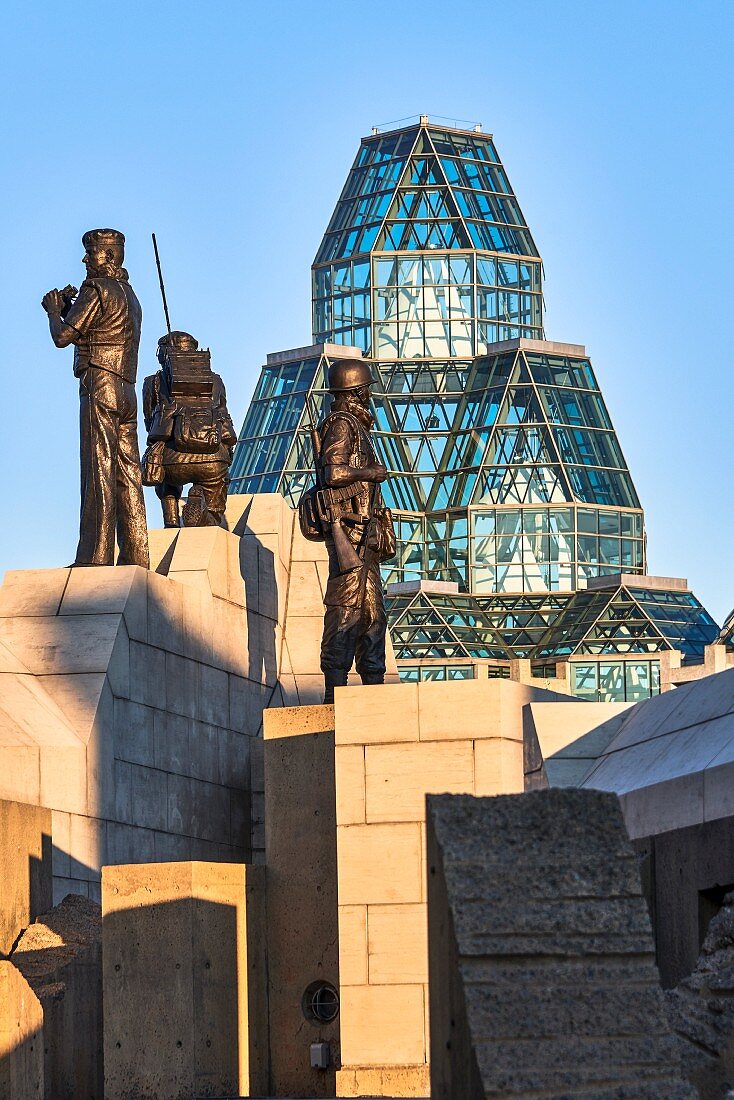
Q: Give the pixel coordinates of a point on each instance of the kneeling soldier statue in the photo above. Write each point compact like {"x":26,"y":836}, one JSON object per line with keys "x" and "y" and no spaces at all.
{"x":190,"y":433}
{"x":345,"y":509}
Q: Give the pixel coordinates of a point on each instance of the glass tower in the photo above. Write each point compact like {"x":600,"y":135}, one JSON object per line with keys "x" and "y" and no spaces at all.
{"x":520,"y":532}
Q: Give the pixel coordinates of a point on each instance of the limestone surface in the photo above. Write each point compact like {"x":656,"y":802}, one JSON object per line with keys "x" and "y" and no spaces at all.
{"x":701,"y":1010}
{"x":542,"y":975}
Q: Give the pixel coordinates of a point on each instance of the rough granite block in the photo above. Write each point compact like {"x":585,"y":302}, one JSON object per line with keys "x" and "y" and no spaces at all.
{"x":541,"y":961}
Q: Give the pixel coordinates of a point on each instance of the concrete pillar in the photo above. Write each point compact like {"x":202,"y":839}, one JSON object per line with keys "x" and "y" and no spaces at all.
{"x":21,"y":1037}
{"x":184,"y":981}
{"x":25,"y":868}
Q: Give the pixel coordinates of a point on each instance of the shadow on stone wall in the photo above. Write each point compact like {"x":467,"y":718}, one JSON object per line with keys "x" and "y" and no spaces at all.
{"x":183,"y":986}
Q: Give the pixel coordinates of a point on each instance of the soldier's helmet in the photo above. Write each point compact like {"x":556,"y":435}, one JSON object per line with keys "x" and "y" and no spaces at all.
{"x":349,"y":374}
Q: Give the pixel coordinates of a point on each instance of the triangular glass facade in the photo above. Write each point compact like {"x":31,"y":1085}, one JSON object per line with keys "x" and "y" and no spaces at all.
{"x":506,"y":475}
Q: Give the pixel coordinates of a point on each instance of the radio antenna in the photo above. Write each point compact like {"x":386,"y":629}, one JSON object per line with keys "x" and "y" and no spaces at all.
{"x":160,"y":280}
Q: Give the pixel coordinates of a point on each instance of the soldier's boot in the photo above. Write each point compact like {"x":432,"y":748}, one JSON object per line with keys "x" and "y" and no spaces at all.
{"x":332,"y":679}
{"x":372,"y":677}
{"x":195,"y":510}
{"x":170,"y":512}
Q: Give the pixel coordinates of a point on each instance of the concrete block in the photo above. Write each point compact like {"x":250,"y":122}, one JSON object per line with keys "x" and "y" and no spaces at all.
{"x":20,"y":773}
{"x":240,"y":821}
{"x":240,"y":706}
{"x":165,"y":613}
{"x":25,"y":871}
{"x":197,"y":623}
{"x":264,"y":644}
{"x":350,"y":784}
{"x":234,"y":751}
{"x":123,"y":792}
{"x":498,"y":767}
{"x":36,"y":592}
{"x":383,"y":1081}
{"x":21,"y":1037}
{"x":305,"y":596}
{"x":64,"y":644}
{"x":184,"y":971}
{"x":64,"y":780}
{"x":398,"y":777}
{"x":353,"y":969}
{"x":88,"y":846}
{"x":379,"y":864}
{"x":61,"y":844}
{"x":205,"y":755}
{"x":77,"y":697}
{"x":127,"y":844}
{"x":161,"y":542}
{"x":172,"y":742}
{"x":672,"y":804}
{"x":267,"y":580}
{"x":297,"y":721}
{"x":303,"y":635}
{"x":170,"y":848}
{"x":398,"y":944}
{"x":310,"y":689}
{"x":373,"y":1037}
{"x":199,"y":809}
{"x":213,"y":696}
{"x":300,"y":827}
{"x":134,"y":737}
{"x":99,"y":590}
{"x":200,"y":558}
{"x":149,"y":794}
{"x":371,"y":715}
{"x":231,"y":643}
{"x":182,"y":684}
{"x":718,"y":791}
{"x":147,"y":674}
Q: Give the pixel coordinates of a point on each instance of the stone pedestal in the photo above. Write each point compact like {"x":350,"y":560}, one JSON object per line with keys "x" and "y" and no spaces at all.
{"x":133,"y":700}
{"x":345,"y":815}
{"x":185,"y":1009}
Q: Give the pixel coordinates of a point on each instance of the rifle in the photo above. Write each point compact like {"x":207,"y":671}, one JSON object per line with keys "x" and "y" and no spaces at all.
{"x":160,"y":281}
{"x":330,"y":514}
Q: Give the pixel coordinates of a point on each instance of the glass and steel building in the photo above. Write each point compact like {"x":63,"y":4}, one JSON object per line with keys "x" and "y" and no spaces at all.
{"x":520,"y":532}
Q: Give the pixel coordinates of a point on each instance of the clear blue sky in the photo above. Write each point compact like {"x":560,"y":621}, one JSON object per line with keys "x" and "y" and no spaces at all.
{"x":228,"y":128}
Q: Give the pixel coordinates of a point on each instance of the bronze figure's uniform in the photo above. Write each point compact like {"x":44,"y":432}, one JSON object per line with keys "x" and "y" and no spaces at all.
{"x":103,"y":323}
{"x":346,"y":510}
{"x":190,"y":433}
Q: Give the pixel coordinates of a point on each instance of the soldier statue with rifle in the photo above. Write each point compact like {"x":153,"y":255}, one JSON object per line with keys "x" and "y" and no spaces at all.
{"x":345,"y":509}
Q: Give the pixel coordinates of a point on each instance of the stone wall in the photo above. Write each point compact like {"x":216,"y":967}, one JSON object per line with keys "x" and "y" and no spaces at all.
{"x":133,"y":700}
{"x":345,"y":798}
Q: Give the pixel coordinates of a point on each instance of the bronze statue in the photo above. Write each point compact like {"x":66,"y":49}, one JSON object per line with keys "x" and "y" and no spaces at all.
{"x":345,"y":509}
{"x":103,"y":323}
{"x":190,"y":433}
